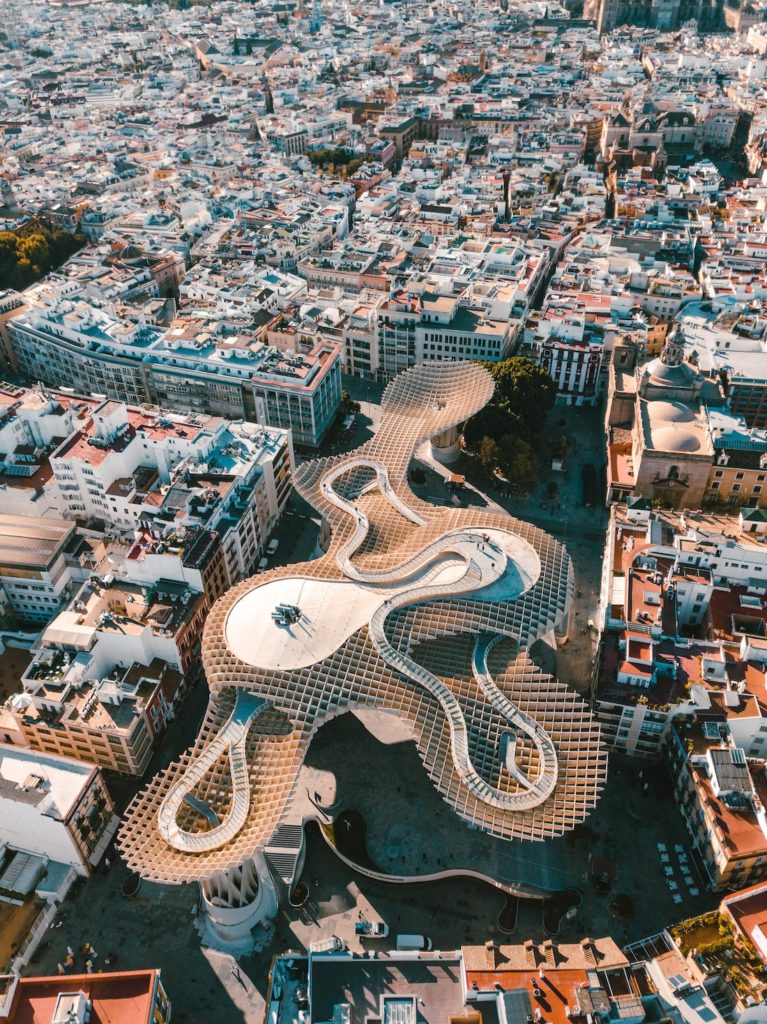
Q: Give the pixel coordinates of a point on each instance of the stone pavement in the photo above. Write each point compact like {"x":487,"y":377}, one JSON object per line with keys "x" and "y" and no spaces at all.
{"x":384,"y":781}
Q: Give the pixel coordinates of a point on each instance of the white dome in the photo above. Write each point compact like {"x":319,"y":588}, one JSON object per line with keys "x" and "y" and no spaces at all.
{"x":675,"y":439}
{"x":670,"y":412}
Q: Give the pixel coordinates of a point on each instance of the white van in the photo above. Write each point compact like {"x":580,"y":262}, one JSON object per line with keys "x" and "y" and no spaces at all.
{"x":413,"y":942}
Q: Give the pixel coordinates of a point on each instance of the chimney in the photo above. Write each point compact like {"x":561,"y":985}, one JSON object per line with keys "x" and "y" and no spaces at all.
{"x":549,"y":952}
{"x":492,"y":951}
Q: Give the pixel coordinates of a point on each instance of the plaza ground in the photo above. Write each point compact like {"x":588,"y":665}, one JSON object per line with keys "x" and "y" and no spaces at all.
{"x":157,"y":928}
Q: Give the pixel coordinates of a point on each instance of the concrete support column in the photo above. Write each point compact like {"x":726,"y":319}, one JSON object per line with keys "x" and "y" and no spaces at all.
{"x":445,"y":447}
{"x":238,"y":900}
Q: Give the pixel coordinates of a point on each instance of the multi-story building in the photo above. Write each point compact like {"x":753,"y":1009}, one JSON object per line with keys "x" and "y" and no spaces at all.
{"x":683,"y":613}
{"x":109,"y":673}
{"x":721,"y":793}
{"x":185,"y":367}
{"x":166,"y":477}
{"x":10,"y":304}
{"x":738,"y":474}
{"x":32,"y":422}
{"x":54,"y":807}
{"x":426,"y":327}
{"x":138,"y":996}
{"x":572,"y":350}
{"x":37,"y":566}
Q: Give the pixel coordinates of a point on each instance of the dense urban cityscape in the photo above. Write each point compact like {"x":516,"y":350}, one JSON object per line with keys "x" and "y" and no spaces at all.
{"x":383,"y":512}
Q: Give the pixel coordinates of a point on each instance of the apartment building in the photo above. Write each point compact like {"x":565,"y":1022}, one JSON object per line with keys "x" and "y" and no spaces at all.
{"x":683,"y":609}
{"x":109,"y":673}
{"x":427,"y":327}
{"x":721,"y":795}
{"x":166,"y":477}
{"x":37,"y":565}
{"x":82,"y":345}
{"x":54,"y":807}
{"x":573,"y":351}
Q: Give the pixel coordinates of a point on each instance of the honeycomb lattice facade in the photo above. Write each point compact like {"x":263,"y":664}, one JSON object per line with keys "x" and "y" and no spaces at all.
{"x":420,"y":610}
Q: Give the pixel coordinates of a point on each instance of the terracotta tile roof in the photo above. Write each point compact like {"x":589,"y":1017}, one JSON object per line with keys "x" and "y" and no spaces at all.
{"x":123,"y":997}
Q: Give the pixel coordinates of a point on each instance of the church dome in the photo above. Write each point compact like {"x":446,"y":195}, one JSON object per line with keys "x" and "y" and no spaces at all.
{"x":662,"y":373}
{"x":671,"y":412}
{"x":676,"y":439}
{"x":674,"y":427}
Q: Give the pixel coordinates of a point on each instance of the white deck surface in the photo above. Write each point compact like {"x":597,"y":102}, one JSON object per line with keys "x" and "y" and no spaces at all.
{"x":332,"y":610}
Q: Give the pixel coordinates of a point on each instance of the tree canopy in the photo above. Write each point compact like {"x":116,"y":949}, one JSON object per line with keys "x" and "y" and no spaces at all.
{"x":524,"y":394}
{"x":503,"y":435}
{"x":29,"y":254}
{"x":340,"y":159}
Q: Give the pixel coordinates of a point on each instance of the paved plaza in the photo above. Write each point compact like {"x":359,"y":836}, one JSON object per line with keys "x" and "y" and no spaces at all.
{"x":158,"y":927}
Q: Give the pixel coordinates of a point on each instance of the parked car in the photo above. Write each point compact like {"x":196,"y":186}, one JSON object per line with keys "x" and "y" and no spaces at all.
{"x":262,"y":565}
{"x":272,"y":546}
{"x":330,"y":945}
{"x":371,"y":929}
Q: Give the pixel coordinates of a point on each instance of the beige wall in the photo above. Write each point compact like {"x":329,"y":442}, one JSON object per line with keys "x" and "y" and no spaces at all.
{"x":653,"y":481}
{"x":727,"y":477}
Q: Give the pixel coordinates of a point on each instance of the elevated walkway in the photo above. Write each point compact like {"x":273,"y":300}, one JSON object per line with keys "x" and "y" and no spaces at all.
{"x":231,"y":737}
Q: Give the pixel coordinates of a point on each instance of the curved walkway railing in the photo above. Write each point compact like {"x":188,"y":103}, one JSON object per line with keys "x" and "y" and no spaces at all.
{"x":524,"y":890}
{"x":232,"y":736}
{"x":484,"y":564}
{"x":549,"y":770}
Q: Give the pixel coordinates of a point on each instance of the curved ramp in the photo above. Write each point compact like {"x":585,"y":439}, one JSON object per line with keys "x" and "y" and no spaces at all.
{"x":544,"y":785}
{"x":233,"y":738}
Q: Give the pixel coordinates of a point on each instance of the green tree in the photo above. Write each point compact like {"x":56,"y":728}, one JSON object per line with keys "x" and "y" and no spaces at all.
{"x":490,"y":454}
{"x":348,"y":405}
{"x":518,"y":462}
{"x":524,"y":394}
{"x":559,"y":446}
{"x":34,"y":248}
{"x":29,"y":254}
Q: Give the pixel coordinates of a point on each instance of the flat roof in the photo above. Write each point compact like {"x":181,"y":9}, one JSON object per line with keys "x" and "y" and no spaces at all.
{"x":435,"y":983}
{"x":123,"y":997}
{"x":31,"y":541}
{"x":63,"y":779}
